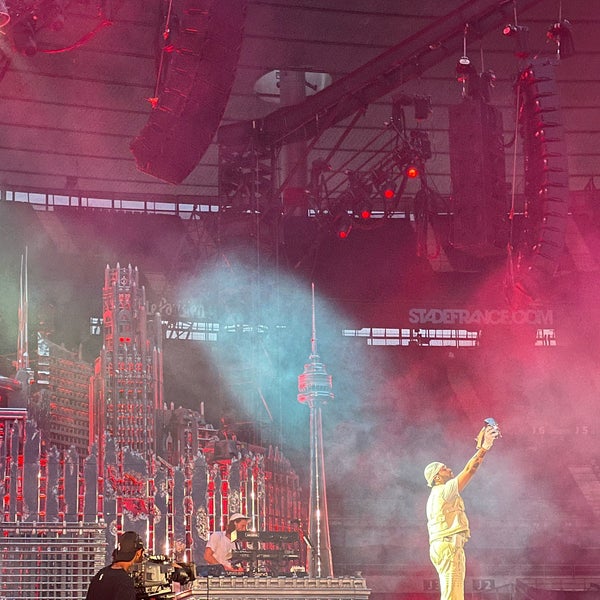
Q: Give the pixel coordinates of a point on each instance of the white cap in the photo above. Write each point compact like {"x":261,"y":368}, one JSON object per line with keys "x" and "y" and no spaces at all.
{"x":236,"y":516}
{"x":431,"y":470}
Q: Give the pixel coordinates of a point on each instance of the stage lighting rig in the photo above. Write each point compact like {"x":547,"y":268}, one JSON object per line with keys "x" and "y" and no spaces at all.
{"x":384,"y":182}
{"x":411,"y":155}
{"x":366,"y":197}
{"x":342,"y":223}
{"x":520,"y":35}
{"x":421,"y":104}
{"x":334,"y":214}
{"x":363,"y":209}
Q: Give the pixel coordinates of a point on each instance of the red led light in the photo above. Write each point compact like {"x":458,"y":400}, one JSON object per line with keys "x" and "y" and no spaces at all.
{"x":388,"y":193}
{"x":342,"y":234}
{"x":412,"y":172}
{"x":365,"y":214}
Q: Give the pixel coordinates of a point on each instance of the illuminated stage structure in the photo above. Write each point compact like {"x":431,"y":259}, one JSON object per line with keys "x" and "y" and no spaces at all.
{"x":163,"y":472}
{"x":278,"y":588}
{"x":314,"y":387}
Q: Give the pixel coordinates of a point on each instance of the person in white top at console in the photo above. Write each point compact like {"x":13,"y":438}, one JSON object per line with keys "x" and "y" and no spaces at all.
{"x":220,"y":545}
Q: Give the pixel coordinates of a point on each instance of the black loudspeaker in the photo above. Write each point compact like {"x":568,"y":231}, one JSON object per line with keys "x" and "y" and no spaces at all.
{"x":201,"y":65}
{"x":477,"y":170}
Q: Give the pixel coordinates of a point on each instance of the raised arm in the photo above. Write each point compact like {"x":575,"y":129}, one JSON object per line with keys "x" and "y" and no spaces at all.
{"x":489,"y":435}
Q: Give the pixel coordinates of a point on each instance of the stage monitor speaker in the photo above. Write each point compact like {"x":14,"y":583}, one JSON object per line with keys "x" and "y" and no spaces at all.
{"x":201,"y":65}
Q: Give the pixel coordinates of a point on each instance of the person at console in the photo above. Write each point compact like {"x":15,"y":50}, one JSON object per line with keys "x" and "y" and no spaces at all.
{"x":221,"y":544}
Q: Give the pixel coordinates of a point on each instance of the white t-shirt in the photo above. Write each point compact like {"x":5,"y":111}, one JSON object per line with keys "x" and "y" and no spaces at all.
{"x":446,"y":512}
{"x":221,"y":546}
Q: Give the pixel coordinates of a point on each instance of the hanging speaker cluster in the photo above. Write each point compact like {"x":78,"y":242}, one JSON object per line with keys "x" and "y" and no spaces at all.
{"x":478,"y":174}
{"x":546,"y":173}
{"x":202,"y":61}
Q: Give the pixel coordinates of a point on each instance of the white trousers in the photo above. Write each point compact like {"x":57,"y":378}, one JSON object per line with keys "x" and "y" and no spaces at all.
{"x":448,"y":558}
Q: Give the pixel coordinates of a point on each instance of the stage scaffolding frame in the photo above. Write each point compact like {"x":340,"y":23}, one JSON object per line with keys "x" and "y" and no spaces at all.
{"x":49,"y":560}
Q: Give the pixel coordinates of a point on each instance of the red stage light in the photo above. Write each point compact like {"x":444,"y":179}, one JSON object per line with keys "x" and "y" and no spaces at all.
{"x":412,"y":172}
{"x":388,"y":193}
{"x":365,"y":213}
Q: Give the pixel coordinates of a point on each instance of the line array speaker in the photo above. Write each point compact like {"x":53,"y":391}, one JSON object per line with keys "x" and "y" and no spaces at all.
{"x":477,"y":170}
{"x":203,"y":57}
{"x":546,"y":175}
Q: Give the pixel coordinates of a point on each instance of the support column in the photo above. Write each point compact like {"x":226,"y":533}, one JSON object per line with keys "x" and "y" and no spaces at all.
{"x":293,"y":165}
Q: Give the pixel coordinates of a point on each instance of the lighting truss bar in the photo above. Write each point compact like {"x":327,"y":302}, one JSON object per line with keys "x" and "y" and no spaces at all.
{"x":406,"y":61}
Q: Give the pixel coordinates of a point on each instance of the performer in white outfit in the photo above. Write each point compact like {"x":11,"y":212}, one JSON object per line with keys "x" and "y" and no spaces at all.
{"x":447,"y":521}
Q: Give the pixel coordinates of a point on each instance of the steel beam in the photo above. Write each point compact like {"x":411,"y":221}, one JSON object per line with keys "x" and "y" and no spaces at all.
{"x":403,"y":62}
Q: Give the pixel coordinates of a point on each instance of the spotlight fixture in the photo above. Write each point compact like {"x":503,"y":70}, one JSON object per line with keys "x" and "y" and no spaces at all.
{"x":511,"y":30}
{"x":464,"y":69}
{"x":560,"y":34}
{"x":389,"y":191}
{"x":343,"y":226}
{"x":4,"y":14}
{"x":412,"y":171}
{"x":338,"y":214}
{"x":383,"y":182}
{"x":363,"y":210}
{"x":520,"y":33}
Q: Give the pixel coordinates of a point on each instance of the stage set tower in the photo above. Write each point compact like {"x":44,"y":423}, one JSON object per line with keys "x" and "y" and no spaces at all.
{"x":128,"y":395}
{"x":315,"y":390}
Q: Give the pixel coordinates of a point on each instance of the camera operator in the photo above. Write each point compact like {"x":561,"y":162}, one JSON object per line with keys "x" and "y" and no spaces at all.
{"x":113,"y":582}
